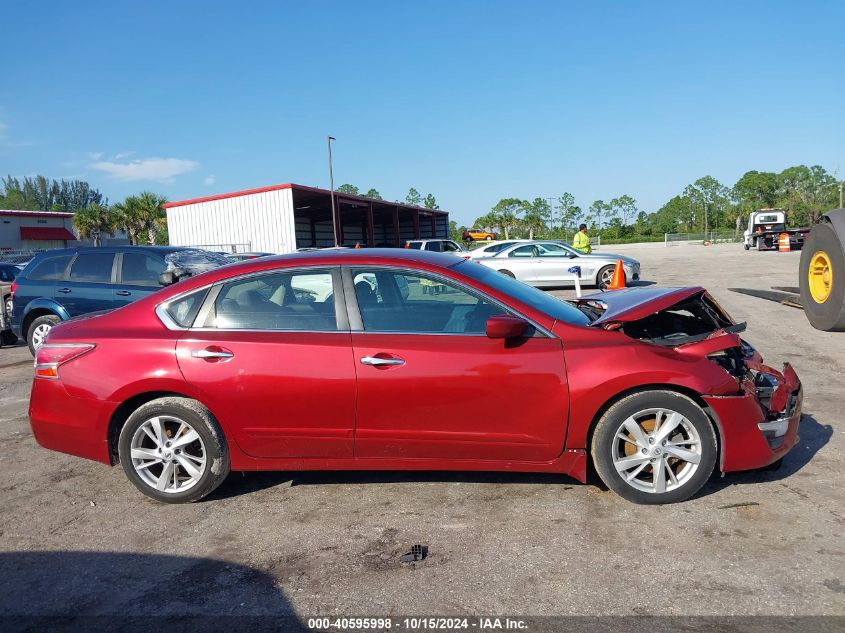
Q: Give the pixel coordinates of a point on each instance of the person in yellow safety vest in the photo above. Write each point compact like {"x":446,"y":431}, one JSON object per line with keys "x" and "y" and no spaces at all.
{"x":582,"y":240}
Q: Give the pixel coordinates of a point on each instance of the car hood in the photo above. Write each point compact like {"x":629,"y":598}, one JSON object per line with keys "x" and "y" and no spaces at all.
{"x":632,"y":304}
{"x":602,"y":255}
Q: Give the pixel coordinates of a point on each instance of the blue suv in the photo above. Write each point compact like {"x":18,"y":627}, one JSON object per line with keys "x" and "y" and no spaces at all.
{"x":60,"y":284}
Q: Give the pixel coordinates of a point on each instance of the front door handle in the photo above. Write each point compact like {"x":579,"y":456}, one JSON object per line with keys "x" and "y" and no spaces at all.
{"x":381,"y":362}
{"x":212,"y":354}
{"x":123,"y":293}
{"x":64,"y":291}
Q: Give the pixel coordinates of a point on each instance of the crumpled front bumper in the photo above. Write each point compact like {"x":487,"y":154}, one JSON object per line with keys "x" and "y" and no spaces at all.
{"x":752,"y":436}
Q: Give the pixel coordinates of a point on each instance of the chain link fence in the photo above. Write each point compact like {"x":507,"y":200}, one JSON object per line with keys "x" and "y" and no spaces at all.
{"x":21,"y":256}
{"x":699,"y":239}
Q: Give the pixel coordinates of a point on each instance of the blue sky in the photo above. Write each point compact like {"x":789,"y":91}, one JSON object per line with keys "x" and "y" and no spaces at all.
{"x":472,"y":101}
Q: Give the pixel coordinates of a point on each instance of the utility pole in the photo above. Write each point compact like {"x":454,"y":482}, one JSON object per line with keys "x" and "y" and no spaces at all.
{"x":331,"y":188}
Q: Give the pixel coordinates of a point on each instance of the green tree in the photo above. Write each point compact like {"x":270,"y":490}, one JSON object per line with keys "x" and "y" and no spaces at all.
{"x":756,"y":190}
{"x":505,"y":215}
{"x":349,"y":189}
{"x":429,"y":202}
{"x":38,"y":193}
{"x":413,"y":197}
{"x":597,"y":212}
{"x":92,"y":222}
{"x":708,"y":199}
{"x":150,"y":213}
{"x":536,"y":216}
{"x":126,"y":218}
{"x":372,"y":193}
{"x":567,"y":213}
{"x":456,"y":232}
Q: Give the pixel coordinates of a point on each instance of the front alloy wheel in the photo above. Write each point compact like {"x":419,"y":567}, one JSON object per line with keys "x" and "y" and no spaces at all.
{"x":654,"y":447}
{"x":656,"y":450}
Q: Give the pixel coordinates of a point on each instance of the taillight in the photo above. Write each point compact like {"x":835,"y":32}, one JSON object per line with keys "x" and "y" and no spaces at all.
{"x":12,"y":293}
{"x":50,"y":357}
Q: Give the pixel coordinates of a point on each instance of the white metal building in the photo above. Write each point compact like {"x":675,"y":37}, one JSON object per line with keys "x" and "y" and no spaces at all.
{"x":282,"y":218}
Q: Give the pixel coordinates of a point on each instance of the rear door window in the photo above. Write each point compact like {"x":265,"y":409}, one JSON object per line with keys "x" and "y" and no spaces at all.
{"x":296,"y":300}
{"x":50,"y":268}
{"x":92,"y":268}
{"x":139,"y":269}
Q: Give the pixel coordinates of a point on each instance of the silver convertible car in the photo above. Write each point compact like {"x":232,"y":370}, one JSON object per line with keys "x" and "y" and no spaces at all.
{"x":551,"y":263}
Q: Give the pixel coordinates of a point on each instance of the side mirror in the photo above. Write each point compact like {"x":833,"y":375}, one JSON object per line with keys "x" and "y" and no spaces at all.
{"x":506,"y":326}
{"x":167,"y":278}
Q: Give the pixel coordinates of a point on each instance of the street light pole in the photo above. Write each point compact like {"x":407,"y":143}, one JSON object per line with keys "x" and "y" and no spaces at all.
{"x":331,"y":188}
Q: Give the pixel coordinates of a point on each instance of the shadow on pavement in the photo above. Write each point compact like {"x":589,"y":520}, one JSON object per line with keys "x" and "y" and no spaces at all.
{"x":113,"y":591}
{"x":244,"y":483}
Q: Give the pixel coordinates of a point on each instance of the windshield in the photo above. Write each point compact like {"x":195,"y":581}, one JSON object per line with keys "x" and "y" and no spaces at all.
{"x":524,"y":293}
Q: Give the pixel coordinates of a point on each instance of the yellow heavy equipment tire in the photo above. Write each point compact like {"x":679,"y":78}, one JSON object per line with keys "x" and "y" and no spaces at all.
{"x":821,"y":278}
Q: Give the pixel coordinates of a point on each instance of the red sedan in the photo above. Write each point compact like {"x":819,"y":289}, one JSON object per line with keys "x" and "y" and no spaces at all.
{"x":338,"y":360}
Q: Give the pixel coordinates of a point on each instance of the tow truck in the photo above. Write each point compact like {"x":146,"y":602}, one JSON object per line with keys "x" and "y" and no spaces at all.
{"x":765,"y":228}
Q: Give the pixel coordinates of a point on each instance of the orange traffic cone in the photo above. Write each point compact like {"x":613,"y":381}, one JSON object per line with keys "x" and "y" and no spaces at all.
{"x":357,"y":244}
{"x":617,"y":282}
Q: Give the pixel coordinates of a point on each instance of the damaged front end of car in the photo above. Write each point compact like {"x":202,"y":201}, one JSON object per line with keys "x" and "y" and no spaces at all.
{"x":758,"y":424}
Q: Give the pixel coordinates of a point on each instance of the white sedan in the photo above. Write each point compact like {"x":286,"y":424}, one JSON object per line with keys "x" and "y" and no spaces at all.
{"x":549,"y":264}
{"x":489,"y":249}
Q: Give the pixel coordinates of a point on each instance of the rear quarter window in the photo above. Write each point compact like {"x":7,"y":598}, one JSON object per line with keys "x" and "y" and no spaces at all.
{"x":183,"y":311}
{"x":49,"y":268}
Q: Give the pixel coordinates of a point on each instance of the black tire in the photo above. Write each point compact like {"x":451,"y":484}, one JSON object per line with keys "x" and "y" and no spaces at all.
{"x":602,"y":271}
{"x":508,"y":273}
{"x":489,"y":238}
{"x":745,"y":246}
{"x":48,"y":320}
{"x":7,"y":337}
{"x":216,"y":450}
{"x":830,"y":315}
{"x":761,"y":243}
{"x":605,"y":443}
{"x":6,"y":302}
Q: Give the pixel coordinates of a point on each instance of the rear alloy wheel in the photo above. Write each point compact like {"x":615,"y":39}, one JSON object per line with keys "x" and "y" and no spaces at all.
{"x":38,"y":331}
{"x":173,"y":450}
{"x":654,"y":447}
{"x":604,"y":277}
{"x":9,"y":305}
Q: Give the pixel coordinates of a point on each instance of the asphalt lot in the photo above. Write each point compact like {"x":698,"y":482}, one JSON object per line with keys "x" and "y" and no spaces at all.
{"x":76,"y":538}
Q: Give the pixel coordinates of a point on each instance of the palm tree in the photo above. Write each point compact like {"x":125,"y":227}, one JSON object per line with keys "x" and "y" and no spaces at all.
{"x":91,"y":222}
{"x":126,"y":218}
{"x":151,"y":213}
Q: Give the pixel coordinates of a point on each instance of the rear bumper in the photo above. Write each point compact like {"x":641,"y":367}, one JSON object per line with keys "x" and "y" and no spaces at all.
{"x":750,"y":438}
{"x":61,"y":422}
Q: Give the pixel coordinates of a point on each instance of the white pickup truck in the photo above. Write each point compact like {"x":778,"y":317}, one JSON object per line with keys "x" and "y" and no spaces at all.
{"x":765,"y":227}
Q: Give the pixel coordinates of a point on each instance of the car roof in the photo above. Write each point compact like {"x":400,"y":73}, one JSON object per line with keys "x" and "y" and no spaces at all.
{"x":100,"y":249}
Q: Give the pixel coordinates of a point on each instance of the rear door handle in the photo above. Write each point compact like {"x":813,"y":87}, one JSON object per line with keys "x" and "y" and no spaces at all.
{"x":211,"y":354}
{"x":123,"y":293}
{"x":64,"y":291}
{"x":375,"y":361}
